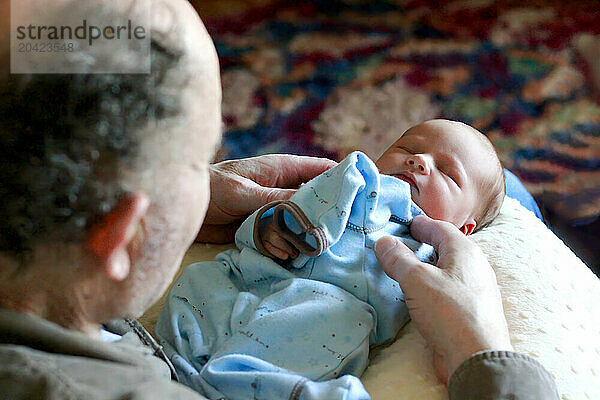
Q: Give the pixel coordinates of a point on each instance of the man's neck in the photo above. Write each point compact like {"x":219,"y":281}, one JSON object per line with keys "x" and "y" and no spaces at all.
{"x":39,"y":291}
{"x":42,"y":306}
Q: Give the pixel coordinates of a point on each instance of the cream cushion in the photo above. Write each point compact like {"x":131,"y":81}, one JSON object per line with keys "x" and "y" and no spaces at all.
{"x":551,"y":301}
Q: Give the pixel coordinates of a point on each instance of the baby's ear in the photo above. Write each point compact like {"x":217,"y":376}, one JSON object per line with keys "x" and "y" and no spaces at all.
{"x":468,"y":227}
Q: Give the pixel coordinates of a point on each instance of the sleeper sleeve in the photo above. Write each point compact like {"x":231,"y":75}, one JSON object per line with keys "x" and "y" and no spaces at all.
{"x":492,"y":375}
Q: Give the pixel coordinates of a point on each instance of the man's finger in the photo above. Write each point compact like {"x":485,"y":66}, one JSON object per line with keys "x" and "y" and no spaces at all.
{"x":432,"y":231}
{"x":258,"y":196}
{"x":439,"y":234}
{"x":452,"y":246}
{"x":295,"y":170}
{"x":395,"y":258}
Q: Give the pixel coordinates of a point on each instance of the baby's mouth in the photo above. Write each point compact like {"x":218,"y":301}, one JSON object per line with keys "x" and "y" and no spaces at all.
{"x":409,"y":179}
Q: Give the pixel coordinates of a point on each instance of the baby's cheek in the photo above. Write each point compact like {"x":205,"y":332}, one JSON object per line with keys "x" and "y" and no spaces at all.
{"x":433,"y":204}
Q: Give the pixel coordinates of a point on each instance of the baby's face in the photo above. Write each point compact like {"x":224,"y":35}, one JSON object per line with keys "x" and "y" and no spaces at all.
{"x":445,"y":164}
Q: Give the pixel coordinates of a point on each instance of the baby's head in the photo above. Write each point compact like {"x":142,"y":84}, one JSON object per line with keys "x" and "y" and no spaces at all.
{"x":453,"y":171}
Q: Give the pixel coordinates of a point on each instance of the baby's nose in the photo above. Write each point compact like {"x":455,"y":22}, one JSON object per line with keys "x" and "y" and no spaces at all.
{"x":418,"y":164}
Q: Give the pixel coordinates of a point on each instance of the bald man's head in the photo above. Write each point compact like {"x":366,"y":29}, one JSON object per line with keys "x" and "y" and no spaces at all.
{"x":74,"y":143}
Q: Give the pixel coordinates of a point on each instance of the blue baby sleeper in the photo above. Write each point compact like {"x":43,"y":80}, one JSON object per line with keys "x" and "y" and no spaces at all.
{"x":244,"y":326}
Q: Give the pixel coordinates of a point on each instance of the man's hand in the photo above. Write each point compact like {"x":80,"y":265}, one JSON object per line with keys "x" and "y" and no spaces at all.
{"x":455,"y":305}
{"x":239,"y":187}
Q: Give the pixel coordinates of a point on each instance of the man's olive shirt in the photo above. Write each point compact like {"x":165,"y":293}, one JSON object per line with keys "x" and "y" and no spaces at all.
{"x":41,"y":360}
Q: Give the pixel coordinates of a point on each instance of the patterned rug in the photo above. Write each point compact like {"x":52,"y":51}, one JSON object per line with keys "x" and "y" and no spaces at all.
{"x":326,"y":77}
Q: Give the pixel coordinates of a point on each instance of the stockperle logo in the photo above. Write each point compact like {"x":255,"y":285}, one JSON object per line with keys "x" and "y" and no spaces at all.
{"x":62,"y":36}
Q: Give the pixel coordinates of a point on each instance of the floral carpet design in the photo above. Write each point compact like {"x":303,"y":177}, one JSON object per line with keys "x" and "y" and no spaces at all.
{"x":328,"y":77}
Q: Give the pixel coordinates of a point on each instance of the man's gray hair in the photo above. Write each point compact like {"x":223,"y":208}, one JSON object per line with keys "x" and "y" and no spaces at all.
{"x":64,"y":139}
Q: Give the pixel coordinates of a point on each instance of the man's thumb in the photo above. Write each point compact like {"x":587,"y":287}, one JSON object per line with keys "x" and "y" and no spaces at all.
{"x":273,"y":194}
{"x":260,"y":195}
{"x":395,"y":258}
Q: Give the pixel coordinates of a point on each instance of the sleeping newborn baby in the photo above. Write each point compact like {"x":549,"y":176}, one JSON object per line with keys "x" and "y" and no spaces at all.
{"x":453,"y":172}
{"x":293,"y":311}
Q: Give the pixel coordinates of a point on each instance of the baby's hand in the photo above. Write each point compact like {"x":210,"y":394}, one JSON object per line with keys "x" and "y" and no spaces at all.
{"x":276,"y":245}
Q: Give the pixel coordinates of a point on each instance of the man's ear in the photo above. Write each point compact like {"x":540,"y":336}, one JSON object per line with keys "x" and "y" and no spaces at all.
{"x":468,"y":227}
{"x":108,"y":239}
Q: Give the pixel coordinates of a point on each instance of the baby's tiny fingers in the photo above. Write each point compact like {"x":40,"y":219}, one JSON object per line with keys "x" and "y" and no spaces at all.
{"x":275,"y":252}
{"x":282,"y":244}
